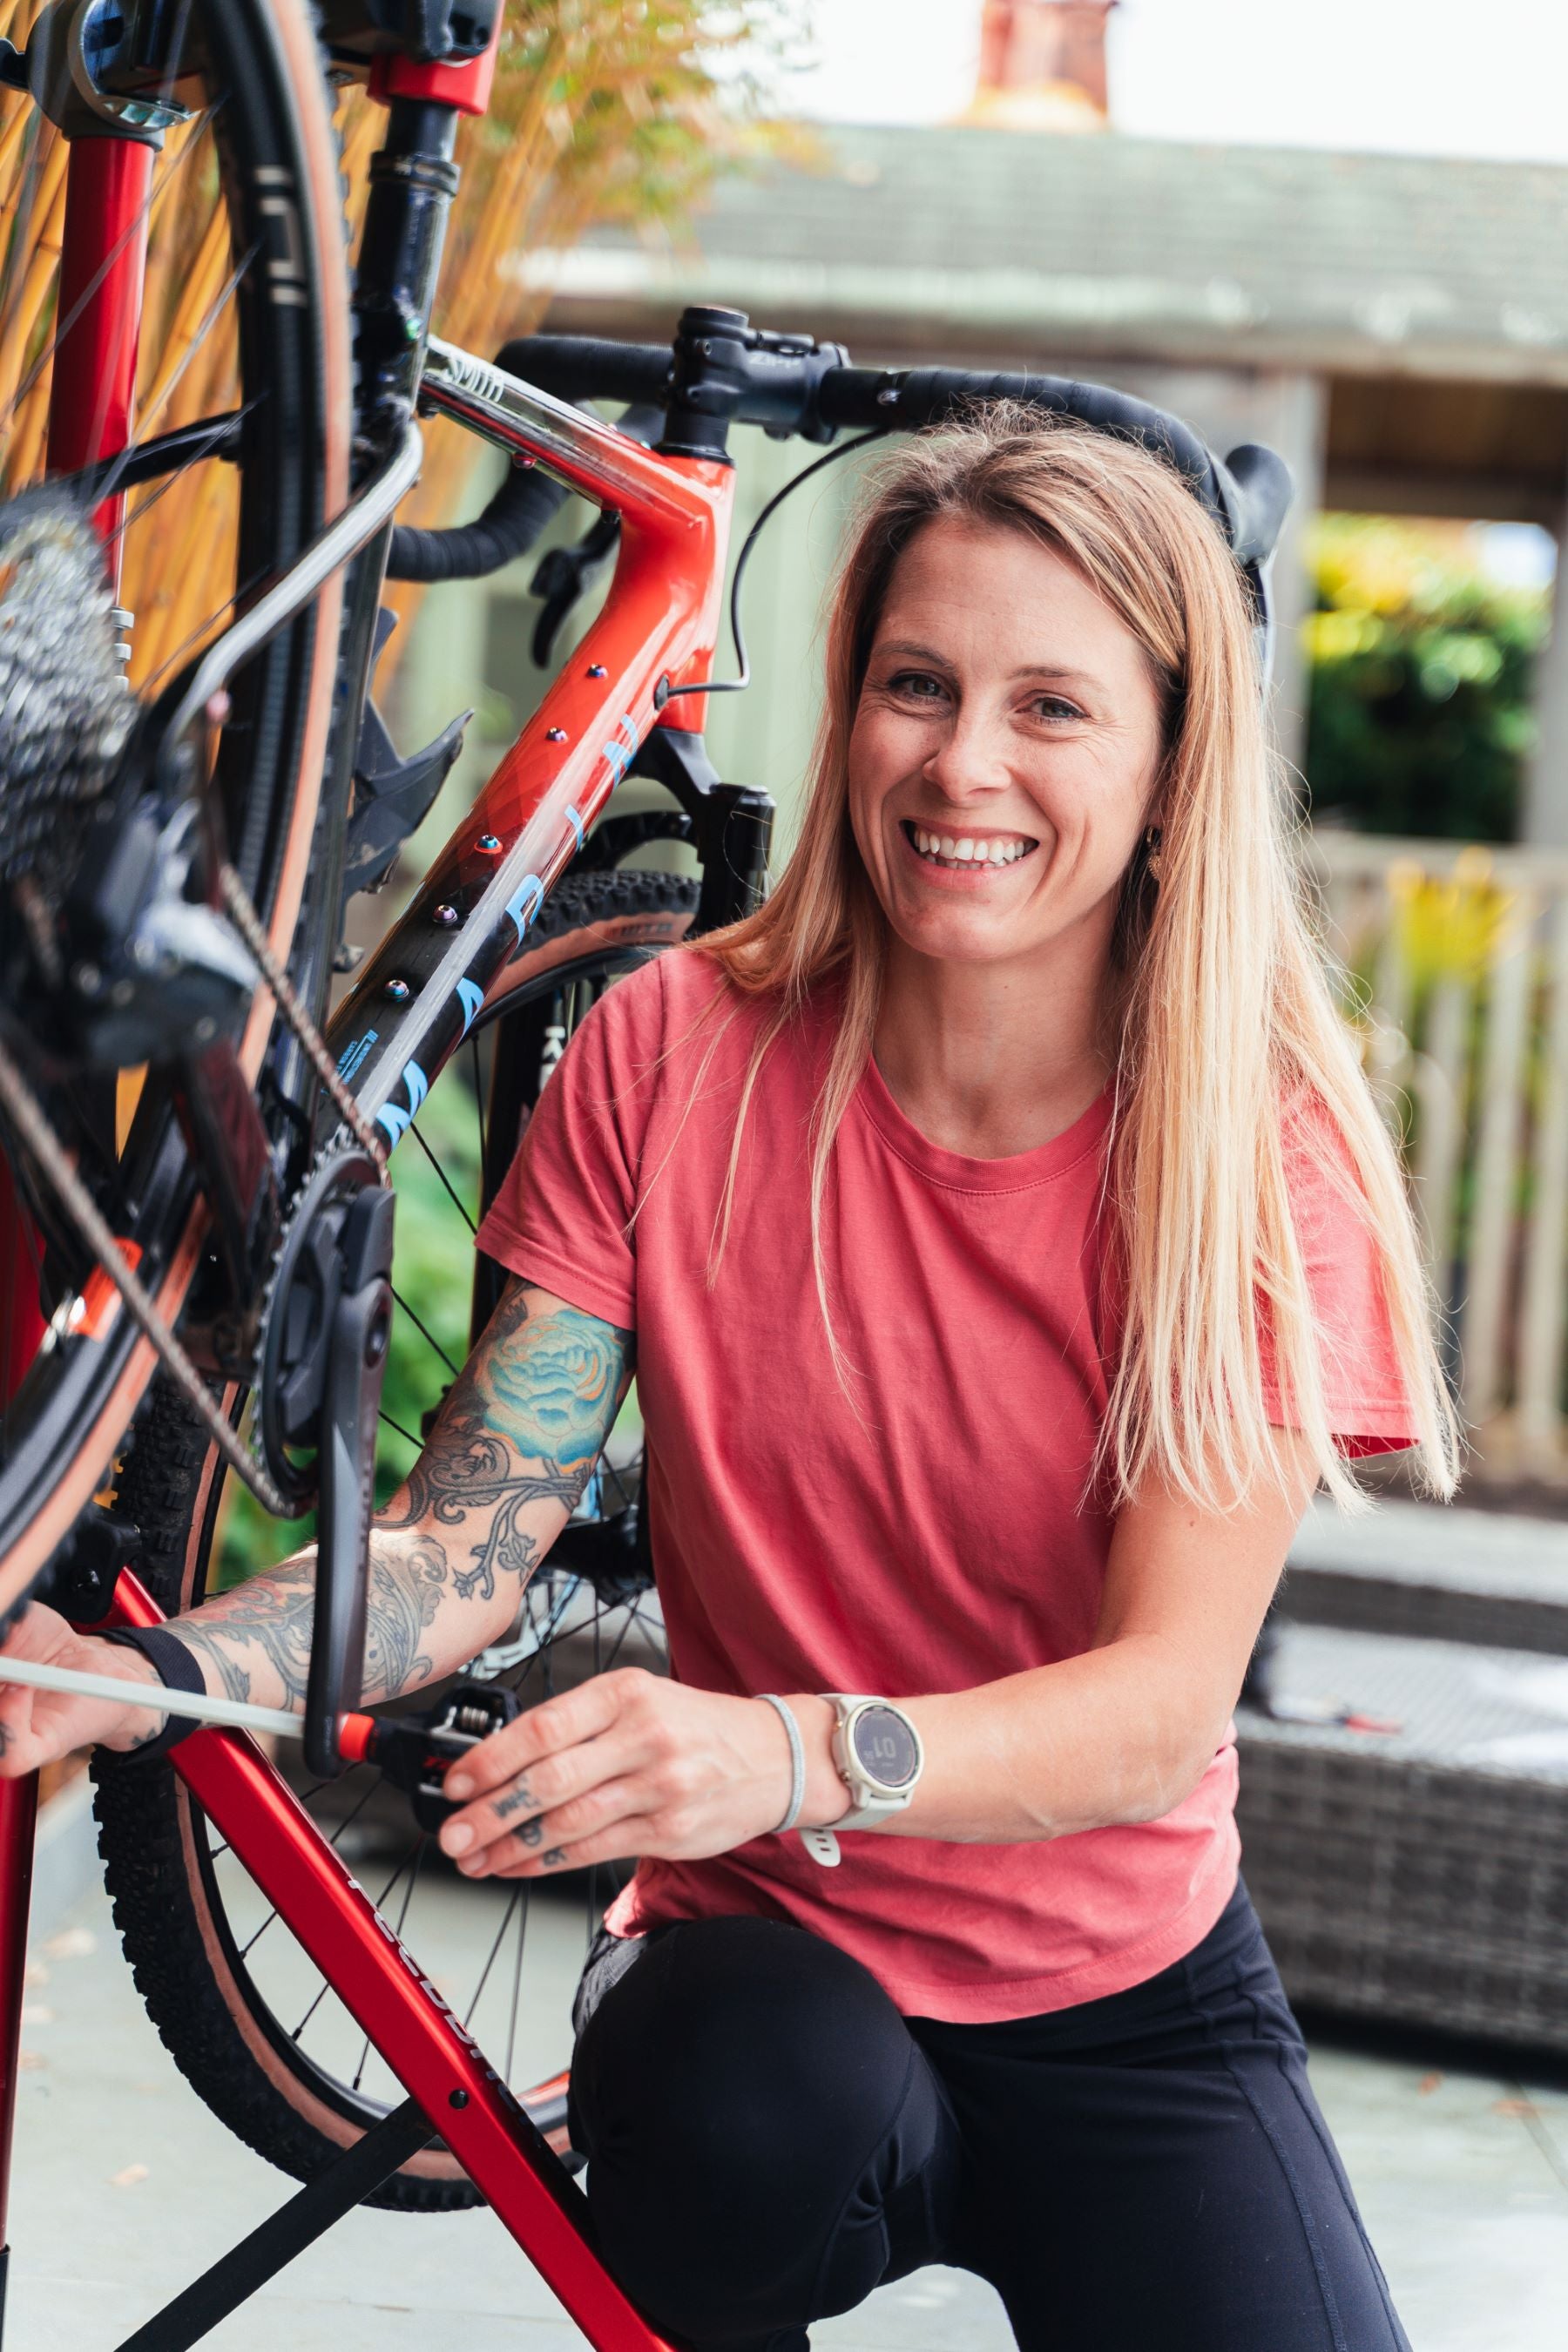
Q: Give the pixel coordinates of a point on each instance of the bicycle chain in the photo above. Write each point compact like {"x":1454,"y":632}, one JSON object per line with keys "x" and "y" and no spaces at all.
{"x":247,"y":922}
{"x":83,"y":1209}
{"x":41,"y":1138}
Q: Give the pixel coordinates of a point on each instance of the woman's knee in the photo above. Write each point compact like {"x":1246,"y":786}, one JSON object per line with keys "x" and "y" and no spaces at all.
{"x":749,"y":2102}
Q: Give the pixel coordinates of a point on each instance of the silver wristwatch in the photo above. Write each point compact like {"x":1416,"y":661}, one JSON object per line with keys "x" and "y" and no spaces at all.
{"x":878,"y":1754}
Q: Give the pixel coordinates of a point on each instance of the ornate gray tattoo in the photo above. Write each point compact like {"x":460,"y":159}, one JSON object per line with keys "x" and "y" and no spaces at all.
{"x":277,"y":1614}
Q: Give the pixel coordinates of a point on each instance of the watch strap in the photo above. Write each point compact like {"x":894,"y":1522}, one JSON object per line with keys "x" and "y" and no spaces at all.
{"x":176,"y":1668}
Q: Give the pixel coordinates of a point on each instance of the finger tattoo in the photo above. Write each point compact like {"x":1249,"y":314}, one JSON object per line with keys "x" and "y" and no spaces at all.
{"x":531,"y":1832}
{"x":519,"y":1799}
{"x":557,"y":1854}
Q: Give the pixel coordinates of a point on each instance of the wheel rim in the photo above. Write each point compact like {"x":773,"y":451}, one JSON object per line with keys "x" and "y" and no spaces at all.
{"x":491,"y":1946}
{"x":57,"y":1439}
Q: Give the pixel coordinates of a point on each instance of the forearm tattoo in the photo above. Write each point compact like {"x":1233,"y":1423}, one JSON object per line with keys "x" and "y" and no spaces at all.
{"x":524,"y":1422}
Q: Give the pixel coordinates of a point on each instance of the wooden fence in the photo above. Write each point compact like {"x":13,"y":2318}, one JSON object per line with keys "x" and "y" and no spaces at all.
{"x":1456,"y":965}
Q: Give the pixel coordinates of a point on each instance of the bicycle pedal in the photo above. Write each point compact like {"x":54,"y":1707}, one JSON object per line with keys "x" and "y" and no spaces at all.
{"x":416,"y":1752}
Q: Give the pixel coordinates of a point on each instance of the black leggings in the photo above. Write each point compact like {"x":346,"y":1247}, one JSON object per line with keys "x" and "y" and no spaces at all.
{"x":768,"y":2140}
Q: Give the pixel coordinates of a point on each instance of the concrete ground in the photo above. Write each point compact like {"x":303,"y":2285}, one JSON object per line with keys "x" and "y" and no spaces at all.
{"x":125,"y":2189}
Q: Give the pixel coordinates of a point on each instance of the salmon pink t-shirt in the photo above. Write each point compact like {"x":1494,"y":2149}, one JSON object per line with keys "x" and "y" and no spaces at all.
{"x":931,"y":1536}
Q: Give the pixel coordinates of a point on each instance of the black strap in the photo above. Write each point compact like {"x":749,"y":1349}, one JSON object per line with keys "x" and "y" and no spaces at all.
{"x":175,"y":1667}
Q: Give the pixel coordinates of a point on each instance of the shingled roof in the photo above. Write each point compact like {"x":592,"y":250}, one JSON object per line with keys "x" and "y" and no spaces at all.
{"x":1110,"y":244}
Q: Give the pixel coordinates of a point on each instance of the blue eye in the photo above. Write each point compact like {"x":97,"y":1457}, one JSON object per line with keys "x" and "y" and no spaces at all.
{"x":912,"y":681}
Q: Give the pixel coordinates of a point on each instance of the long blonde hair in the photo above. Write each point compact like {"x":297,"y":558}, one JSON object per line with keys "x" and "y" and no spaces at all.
{"x":1232,"y":1053}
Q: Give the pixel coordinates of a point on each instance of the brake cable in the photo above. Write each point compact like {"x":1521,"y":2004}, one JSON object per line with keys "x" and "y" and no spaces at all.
{"x":739,"y":685}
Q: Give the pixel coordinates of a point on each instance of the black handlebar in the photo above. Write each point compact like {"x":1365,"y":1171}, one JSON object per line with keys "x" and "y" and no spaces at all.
{"x":722,"y":371}
{"x":790,"y":386}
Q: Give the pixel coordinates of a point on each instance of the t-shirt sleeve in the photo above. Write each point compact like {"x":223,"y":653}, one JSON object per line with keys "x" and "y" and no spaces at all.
{"x":563,"y":1216}
{"x":1368,"y":1410}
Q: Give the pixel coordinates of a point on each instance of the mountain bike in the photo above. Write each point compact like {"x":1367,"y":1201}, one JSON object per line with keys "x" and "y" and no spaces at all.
{"x":197,"y":1139}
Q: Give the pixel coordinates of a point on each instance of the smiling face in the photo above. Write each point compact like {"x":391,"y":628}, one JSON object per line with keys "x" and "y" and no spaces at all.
{"x":1004,"y":751}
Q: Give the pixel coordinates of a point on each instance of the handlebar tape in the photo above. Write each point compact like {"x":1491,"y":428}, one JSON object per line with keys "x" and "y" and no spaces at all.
{"x":521,"y":509}
{"x":587,"y":367}
{"x":1248,"y":512}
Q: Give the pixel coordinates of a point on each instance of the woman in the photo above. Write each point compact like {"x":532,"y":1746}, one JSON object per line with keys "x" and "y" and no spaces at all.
{"x":1010,"y":1246}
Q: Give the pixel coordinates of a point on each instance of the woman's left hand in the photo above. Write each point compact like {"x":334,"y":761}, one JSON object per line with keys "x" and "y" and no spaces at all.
{"x":626,"y":1764}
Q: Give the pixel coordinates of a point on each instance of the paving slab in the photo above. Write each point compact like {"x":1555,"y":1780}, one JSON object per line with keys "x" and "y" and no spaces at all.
{"x":126,"y":2188}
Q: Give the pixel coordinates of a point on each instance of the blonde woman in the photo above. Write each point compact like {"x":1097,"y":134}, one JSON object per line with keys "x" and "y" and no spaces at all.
{"x":1009,"y":1247}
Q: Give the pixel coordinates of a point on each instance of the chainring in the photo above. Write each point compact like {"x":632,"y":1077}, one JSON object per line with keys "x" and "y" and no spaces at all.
{"x":296,"y":1314}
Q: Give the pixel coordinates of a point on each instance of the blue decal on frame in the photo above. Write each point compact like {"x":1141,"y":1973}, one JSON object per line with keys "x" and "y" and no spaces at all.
{"x":471,"y":996}
{"x":525,"y":903}
{"x":392,"y":1115}
{"x":620,"y":754}
{"x":354,"y":1052}
{"x":574,"y":819}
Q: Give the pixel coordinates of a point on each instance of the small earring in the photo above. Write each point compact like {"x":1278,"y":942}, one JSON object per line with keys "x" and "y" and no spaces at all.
{"x":1151,"y":840}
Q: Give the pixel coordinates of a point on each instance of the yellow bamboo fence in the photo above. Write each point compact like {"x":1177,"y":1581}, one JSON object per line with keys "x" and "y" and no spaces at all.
{"x":602,"y":109}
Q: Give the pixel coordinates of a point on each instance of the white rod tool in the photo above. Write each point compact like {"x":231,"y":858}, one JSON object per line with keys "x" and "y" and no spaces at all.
{"x":236,"y":1713}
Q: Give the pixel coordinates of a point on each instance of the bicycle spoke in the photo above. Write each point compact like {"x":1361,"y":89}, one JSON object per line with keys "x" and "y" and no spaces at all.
{"x":414,"y":1851}
{"x":430,"y":1156}
{"x":490,"y":1955}
{"x":407,"y":1436}
{"x":423,"y":1331}
{"x":142,"y":220}
{"x":346,"y":1824}
{"x":517,"y":1981}
{"x":398,"y":1931}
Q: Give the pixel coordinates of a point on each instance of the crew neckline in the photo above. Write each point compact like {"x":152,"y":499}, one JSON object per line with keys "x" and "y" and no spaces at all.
{"x":1013,"y":1173}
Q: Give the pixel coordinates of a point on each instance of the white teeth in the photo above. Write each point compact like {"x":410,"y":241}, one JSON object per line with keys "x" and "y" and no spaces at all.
{"x":965,"y":850}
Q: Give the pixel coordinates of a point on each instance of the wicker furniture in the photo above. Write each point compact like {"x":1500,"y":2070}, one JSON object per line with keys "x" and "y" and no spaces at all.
{"x":1421,"y":1875}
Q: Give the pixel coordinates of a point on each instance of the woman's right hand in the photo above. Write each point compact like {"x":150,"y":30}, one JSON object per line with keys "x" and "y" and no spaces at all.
{"x":37,"y":1726}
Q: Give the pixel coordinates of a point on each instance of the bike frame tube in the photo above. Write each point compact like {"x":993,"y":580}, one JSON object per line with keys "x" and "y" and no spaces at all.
{"x":104,"y":263}
{"x":418,"y":996}
{"x":437,"y":2062}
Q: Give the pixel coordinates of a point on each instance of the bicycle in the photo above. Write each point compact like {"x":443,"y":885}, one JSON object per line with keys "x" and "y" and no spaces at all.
{"x":176,"y":873}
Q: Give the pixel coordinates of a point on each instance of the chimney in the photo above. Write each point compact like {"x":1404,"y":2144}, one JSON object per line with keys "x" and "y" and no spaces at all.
{"x":1042,"y":65}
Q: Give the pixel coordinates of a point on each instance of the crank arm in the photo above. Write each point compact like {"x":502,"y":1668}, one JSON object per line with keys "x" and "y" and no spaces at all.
{"x":356,"y":1361}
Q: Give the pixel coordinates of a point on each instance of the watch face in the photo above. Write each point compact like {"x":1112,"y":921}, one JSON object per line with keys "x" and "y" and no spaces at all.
{"x":885,"y":1746}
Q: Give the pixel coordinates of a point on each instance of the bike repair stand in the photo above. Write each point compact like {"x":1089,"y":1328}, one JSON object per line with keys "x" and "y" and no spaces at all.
{"x":248,"y":2267}
{"x":415,"y":1753}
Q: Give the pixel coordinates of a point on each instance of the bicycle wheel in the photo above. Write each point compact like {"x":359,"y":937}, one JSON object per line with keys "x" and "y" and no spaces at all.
{"x":258,"y":325}
{"x":247,"y":2018}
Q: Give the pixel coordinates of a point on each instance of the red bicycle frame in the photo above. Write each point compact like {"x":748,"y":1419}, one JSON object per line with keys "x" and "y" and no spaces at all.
{"x":658,"y":629}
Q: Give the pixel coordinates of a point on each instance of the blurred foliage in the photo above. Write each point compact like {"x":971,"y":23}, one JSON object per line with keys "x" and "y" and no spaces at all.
{"x":1419,"y":717}
{"x":1448,"y":926}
